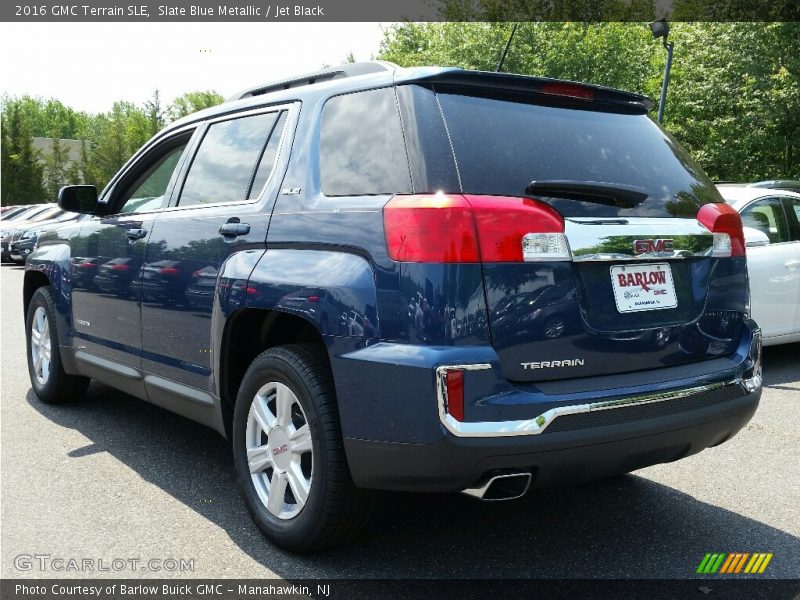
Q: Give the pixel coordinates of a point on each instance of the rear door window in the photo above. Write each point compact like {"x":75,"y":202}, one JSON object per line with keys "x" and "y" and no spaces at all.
{"x":229,"y":160}
{"x":768,"y":217}
{"x":502,"y":144}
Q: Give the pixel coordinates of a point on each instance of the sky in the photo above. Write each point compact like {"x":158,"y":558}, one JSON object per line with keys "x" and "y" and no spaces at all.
{"x":88,"y":65}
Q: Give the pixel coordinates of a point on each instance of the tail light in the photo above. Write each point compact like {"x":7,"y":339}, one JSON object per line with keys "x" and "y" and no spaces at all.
{"x":119,"y":268}
{"x":570,"y":90}
{"x":726,"y":226}
{"x":169,"y":271}
{"x":468,"y":229}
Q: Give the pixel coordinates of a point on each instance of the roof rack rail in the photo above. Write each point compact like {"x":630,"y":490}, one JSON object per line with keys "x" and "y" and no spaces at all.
{"x":340,"y":72}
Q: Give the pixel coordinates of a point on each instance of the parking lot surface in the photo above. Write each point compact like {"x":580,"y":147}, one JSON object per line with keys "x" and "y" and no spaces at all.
{"x":112,"y":477}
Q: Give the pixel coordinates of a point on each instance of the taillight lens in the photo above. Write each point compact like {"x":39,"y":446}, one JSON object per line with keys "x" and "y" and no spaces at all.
{"x":467,"y":229}
{"x":726,"y":226}
{"x":169,"y":271}
{"x":505,"y":223}
{"x":570,"y":90}
{"x":120,"y":268}
{"x":435,"y":228}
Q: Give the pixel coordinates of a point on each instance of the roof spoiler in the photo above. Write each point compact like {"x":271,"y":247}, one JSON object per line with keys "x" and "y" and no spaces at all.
{"x":508,"y":82}
{"x":340,"y":72}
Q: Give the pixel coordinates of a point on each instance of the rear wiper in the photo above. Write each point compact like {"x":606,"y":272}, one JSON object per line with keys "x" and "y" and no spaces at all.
{"x":610,"y":194}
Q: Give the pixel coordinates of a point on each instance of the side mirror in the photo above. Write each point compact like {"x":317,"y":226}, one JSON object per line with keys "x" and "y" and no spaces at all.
{"x":78,"y":198}
{"x":755,"y":237}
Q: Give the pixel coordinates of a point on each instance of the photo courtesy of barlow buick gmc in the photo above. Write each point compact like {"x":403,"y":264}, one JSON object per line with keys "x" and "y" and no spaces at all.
{"x":444,"y":281}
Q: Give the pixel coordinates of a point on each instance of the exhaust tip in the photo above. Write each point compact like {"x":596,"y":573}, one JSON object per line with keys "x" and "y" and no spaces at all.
{"x":503,"y":486}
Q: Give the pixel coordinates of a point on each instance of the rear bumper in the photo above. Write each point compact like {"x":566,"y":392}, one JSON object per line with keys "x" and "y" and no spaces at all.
{"x":587,"y":434}
{"x":454,"y":464}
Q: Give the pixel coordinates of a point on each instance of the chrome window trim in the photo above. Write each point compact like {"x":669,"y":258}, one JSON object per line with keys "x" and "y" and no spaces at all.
{"x":291,"y":122}
{"x":539,"y":424}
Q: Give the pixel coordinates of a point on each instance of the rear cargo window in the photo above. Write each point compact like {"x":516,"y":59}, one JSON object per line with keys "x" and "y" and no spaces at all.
{"x":503,"y":145}
{"x":361,"y":146}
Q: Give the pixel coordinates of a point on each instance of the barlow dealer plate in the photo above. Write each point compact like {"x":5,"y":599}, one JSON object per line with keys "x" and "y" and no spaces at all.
{"x":643,"y":287}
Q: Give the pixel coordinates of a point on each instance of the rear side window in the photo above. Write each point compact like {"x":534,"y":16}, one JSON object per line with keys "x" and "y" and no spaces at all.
{"x":768,"y":217}
{"x":502,"y":144}
{"x":361,"y":146}
{"x":230,"y":160}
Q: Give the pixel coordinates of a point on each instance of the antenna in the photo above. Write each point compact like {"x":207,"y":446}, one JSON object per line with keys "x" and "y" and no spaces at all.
{"x":505,"y":50}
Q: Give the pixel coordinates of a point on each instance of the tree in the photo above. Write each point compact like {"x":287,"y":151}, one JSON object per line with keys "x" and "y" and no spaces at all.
{"x":48,"y":118}
{"x":155,"y":114}
{"x":22,"y":172}
{"x":192,"y":102}
{"x":55,"y":169}
{"x":615,"y":54}
{"x":734,"y":97}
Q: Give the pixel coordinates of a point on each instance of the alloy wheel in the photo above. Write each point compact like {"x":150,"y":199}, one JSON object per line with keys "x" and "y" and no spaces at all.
{"x":279,"y":450}
{"x":41,"y":350}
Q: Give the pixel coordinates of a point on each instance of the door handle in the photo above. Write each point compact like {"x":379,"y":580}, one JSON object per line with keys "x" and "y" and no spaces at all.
{"x":135,"y":234}
{"x":792,"y":264}
{"x":234,"y":229}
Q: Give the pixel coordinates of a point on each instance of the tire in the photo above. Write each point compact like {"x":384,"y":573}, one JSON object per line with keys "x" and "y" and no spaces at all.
{"x":333,"y":511}
{"x":49,"y":380}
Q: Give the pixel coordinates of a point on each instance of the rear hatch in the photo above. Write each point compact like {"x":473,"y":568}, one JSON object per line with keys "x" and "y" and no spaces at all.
{"x":637,"y":281}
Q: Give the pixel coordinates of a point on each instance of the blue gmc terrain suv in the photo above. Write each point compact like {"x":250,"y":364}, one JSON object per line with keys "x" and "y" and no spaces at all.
{"x":422,"y":279}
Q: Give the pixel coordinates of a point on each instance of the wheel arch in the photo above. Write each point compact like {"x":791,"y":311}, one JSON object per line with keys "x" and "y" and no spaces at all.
{"x":32,"y":281}
{"x":247,"y":333}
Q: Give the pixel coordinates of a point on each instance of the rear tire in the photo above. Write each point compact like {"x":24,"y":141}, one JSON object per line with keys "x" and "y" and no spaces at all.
{"x":289,"y":456}
{"x":48,"y":378}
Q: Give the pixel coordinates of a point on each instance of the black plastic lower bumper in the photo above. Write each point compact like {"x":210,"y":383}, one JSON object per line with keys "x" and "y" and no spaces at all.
{"x":558,"y":457}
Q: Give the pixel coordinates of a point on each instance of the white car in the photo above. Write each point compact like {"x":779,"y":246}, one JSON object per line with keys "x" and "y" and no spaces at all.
{"x":771,"y":220}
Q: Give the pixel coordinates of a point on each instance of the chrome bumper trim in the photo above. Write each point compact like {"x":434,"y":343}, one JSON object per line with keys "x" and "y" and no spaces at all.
{"x":538,"y":424}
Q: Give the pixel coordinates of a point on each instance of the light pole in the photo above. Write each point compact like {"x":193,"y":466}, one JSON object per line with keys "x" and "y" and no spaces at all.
{"x":660,"y":29}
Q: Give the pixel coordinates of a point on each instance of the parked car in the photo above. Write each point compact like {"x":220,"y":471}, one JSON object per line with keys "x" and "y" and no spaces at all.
{"x":771,"y":219}
{"x":787,"y":185}
{"x":29,"y":213}
{"x":418,"y":201}
{"x":116,"y":275}
{"x":10,"y":212}
{"x":16,"y":224}
{"x":24,"y":241}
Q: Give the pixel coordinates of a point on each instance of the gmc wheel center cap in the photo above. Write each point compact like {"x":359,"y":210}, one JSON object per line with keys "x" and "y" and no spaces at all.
{"x":279,"y":449}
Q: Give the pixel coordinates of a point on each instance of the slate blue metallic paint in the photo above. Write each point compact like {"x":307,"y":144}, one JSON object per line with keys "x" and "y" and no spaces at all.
{"x":386,"y":325}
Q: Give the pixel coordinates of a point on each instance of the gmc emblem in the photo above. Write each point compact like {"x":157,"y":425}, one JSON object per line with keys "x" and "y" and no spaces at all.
{"x":280,"y":450}
{"x":652,"y":246}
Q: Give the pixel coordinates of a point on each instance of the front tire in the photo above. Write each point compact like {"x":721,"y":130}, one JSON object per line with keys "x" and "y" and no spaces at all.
{"x":288,"y":451}
{"x":48,"y":378}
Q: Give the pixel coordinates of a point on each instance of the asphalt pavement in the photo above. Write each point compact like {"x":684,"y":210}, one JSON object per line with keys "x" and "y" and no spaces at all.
{"x":112,"y":478}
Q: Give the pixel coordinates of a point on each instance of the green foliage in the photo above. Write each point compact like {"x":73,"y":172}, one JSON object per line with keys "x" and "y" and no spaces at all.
{"x":734,"y":98}
{"x":108,"y":140}
{"x":22,"y":172}
{"x":48,"y":118}
{"x":192,"y":102}
{"x":55,"y":169}
{"x":734,"y":95}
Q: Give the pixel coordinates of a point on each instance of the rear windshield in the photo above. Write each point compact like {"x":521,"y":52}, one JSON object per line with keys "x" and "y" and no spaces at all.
{"x":501,"y":145}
